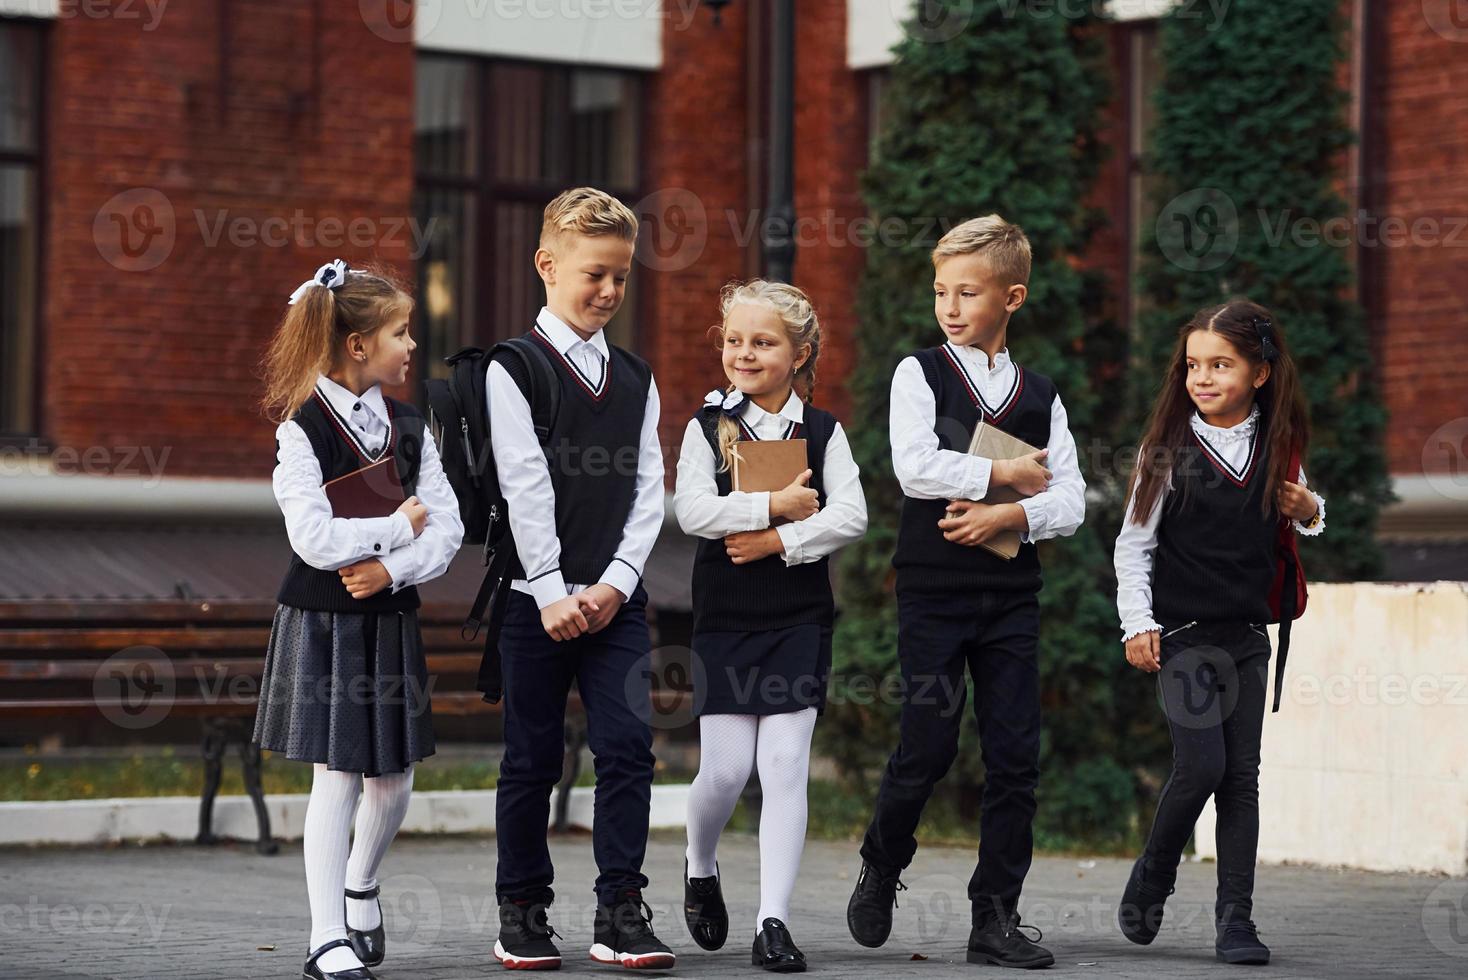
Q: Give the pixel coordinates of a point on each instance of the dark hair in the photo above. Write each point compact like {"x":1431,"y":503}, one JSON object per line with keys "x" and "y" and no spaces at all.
{"x":1252,"y":331}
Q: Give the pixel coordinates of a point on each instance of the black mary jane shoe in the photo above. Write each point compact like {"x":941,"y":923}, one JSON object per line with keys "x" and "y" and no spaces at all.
{"x":370,"y":945}
{"x":314,"y":972}
{"x":775,"y":951}
{"x":704,"y":911}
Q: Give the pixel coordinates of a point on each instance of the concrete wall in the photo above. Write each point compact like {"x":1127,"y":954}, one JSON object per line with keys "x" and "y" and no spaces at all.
{"x":1366,"y":763}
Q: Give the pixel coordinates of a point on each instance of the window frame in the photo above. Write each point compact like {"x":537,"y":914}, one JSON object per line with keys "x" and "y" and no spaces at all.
{"x":38,"y":160}
{"x":488,"y":190}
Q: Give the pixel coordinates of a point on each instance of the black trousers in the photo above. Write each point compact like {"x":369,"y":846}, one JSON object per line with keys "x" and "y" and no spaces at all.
{"x":1213,"y":685}
{"x":611,"y":670}
{"x":996,"y":636}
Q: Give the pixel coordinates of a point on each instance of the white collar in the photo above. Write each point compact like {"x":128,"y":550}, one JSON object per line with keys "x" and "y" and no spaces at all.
{"x":1232,"y":433}
{"x":564,"y":339}
{"x":792,"y":411}
{"x":977,"y":355}
{"x":348,"y":404}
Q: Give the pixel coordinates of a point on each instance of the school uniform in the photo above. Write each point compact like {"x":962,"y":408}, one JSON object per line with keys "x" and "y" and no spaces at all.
{"x":585,"y":509}
{"x":345,"y":681}
{"x":761,"y":653}
{"x":964,"y":606}
{"x":762,"y":630}
{"x":1199,"y":571}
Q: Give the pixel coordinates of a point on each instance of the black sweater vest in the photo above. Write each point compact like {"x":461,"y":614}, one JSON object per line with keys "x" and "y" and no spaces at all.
{"x":925,"y":560}
{"x":766,"y":594}
{"x":593,"y":452}
{"x":306,"y":587}
{"x":1215,"y":546}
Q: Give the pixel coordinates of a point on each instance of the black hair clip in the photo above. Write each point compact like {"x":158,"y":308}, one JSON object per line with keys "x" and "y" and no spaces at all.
{"x":1265,"y":328}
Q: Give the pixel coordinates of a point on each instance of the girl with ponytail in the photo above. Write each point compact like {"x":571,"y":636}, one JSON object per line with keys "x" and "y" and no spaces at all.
{"x":345,"y":684}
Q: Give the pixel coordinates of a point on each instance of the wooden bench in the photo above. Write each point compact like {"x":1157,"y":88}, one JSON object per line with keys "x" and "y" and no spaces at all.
{"x":137,"y":663}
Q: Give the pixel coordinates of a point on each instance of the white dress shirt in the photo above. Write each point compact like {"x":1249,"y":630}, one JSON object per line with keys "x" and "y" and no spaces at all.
{"x":526,"y":482}
{"x":927,"y":472}
{"x":330,"y":543}
{"x":1136,"y":545}
{"x":703,"y":513}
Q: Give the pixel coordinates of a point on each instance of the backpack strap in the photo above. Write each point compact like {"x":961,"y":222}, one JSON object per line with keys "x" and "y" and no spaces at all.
{"x":539,"y":377}
{"x":533,"y":373}
{"x":1288,"y":594}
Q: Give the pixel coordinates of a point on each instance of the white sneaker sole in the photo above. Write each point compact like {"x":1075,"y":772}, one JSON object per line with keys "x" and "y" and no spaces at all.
{"x":511,"y":962}
{"x":602,"y":953}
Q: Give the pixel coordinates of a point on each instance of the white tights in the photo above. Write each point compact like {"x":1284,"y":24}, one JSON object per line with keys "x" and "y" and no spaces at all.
{"x":732,"y":746}
{"x":335,"y":861}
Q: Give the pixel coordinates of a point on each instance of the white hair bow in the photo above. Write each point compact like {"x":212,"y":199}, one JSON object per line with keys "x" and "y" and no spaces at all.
{"x":731,"y":403}
{"x":331,"y":275}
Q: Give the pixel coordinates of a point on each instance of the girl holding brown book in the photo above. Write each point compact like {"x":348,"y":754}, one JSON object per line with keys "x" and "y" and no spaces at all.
{"x":762,"y":600}
{"x":345,"y":685}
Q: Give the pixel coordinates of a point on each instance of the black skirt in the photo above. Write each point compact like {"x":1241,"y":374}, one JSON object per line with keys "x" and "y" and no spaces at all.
{"x":761,"y":672}
{"x":346,"y":689}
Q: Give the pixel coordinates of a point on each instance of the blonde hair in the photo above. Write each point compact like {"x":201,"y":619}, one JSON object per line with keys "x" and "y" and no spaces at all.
{"x":802,"y":326}
{"x":310,"y":334}
{"x":586,"y":211}
{"x":1003,"y":245}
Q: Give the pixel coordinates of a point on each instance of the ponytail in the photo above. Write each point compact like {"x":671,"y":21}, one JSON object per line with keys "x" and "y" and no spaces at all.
{"x":319,"y":319}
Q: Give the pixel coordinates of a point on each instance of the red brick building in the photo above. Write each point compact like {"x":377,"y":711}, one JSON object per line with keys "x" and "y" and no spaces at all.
{"x":169,"y":172}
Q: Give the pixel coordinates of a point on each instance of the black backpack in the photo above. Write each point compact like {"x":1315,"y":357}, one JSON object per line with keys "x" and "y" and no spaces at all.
{"x":458,"y":415}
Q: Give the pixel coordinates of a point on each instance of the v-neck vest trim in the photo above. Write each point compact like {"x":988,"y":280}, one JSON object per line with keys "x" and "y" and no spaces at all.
{"x":595,"y":391}
{"x":993,"y":414}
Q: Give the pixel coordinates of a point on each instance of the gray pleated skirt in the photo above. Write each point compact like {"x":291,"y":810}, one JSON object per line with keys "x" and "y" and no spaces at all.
{"x":347,"y":689}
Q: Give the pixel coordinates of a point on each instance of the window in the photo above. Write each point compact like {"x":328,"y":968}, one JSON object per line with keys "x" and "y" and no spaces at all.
{"x":20,"y":239}
{"x":494,"y":142}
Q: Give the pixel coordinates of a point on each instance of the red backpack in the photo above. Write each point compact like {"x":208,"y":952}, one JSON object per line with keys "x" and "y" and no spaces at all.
{"x":1287,"y":595}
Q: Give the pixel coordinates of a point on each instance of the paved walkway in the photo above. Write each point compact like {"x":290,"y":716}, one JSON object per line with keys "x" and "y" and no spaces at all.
{"x":162,"y":912}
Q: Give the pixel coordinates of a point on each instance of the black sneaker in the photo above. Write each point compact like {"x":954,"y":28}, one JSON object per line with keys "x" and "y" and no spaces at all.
{"x":775,"y":951}
{"x":1140,"y":913}
{"x":1238,"y":942}
{"x":997,"y":940}
{"x":624,"y":936}
{"x":869,"y":913}
{"x":525,"y":937}
{"x":704,"y":911}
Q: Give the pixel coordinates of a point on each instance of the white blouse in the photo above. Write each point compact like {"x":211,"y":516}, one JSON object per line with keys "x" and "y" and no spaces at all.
{"x":703,"y":513}
{"x":1137,"y":543}
{"x":330,"y":543}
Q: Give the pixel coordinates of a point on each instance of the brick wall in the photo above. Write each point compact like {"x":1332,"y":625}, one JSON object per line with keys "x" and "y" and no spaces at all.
{"x":706,"y":145}
{"x":211,"y":117}
{"x":1421,"y":94}
{"x":202,"y":118}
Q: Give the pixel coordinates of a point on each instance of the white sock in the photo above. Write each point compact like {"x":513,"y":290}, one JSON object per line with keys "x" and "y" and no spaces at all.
{"x":327,"y":841}
{"x":726,"y":758}
{"x":784,"y":769}
{"x":384,"y":804}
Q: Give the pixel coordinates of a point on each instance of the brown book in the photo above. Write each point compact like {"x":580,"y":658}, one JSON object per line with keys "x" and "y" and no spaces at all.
{"x":372,"y":491}
{"x":992,"y":442}
{"x":767,"y":464}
